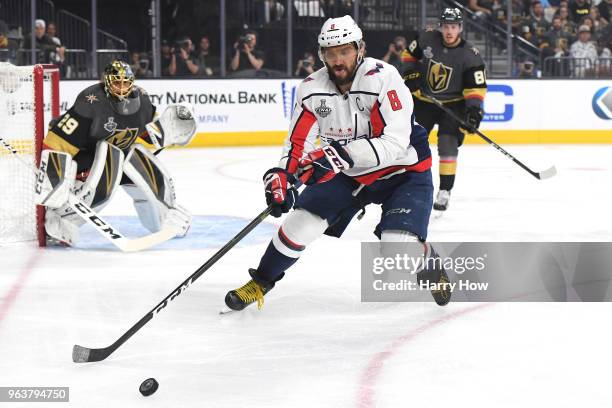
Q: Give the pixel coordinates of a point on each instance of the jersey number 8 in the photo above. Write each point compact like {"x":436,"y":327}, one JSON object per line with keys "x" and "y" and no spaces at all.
{"x":479,"y":77}
{"x":68,"y":124}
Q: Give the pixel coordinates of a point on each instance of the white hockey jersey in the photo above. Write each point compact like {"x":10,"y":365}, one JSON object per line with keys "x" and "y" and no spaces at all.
{"x":374,"y":122}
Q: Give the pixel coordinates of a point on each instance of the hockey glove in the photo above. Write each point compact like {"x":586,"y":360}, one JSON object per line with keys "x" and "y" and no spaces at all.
{"x":473,"y":116}
{"x":412,"y":79}
{"x":323,"y":164}
{"x":280,"y":192}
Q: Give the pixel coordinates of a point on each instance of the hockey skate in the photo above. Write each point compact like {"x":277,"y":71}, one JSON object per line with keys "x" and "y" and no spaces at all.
{"x":442,"y":199}
{"x":434,"y":273}
{"x":251,"y":292}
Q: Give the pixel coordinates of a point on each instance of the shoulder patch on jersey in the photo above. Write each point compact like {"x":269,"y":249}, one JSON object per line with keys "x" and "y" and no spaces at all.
{"x":308,"y":79}
{"x":376,"y":70}
{"x":475,"y":50}
{"x":91,"y":98}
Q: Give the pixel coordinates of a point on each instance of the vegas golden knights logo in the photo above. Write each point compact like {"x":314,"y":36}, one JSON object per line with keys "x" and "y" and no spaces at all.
{"x":438,"y":76}
{"x":123,"y":138}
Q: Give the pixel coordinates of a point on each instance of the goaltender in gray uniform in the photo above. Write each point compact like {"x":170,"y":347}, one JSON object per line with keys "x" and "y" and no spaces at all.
{"x":91,"y":149}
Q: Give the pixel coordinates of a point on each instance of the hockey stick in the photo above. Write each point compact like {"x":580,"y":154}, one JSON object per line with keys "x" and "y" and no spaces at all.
{"x":103,"y":227}
{"x":82,"y":354}
{"x":548,"y":173}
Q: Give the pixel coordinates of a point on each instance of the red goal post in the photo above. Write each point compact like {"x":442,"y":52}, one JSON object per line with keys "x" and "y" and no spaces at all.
{"x":29,"y":99}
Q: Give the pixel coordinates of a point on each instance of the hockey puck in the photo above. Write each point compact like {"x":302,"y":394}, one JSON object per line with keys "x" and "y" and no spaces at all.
{"x":148,"y":386}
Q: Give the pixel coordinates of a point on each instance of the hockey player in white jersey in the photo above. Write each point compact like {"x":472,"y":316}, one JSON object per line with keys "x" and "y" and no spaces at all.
{"x":372,"y":151}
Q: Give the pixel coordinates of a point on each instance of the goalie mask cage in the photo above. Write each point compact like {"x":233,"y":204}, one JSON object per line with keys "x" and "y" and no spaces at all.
{"x":29,"y":98}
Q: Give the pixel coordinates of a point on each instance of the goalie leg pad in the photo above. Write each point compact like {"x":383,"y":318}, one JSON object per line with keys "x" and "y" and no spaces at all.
{"x":104,"y":176}
{"x":55,"y":178}
{"x":152,"y":190}
{"x":62,"y":229}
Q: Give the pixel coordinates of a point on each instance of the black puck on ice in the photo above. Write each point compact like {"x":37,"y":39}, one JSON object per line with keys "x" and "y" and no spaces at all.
{"x":148,"y":386}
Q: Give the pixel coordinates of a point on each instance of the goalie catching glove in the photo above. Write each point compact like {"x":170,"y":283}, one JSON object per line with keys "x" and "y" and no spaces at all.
{"x":55,"y":178}
{"x":176,"y":126}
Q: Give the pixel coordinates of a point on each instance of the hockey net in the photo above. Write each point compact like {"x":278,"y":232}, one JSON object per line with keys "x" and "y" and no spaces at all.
{"x":29,"y":98}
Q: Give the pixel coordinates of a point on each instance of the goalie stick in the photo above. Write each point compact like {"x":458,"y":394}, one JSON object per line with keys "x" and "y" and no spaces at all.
{"x":82,"y":354}
{"x":103,"y":227}
{"x":548,"y":173}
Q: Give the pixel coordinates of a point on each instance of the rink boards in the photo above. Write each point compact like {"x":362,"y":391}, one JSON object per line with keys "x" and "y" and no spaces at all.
{"x":245,"y":112}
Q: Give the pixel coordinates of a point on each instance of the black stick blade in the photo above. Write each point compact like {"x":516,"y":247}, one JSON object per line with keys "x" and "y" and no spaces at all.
{"x":82,"y":354}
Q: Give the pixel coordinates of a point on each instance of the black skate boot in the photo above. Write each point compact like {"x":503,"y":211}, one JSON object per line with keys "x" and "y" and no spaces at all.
{"x":252,"y":291}
{"x":442,"y":199}
{"x":434,"y":273}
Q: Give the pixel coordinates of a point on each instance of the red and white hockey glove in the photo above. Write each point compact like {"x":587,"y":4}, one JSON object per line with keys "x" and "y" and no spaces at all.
{"x":323,"y":164}
{"x":280,"y":192}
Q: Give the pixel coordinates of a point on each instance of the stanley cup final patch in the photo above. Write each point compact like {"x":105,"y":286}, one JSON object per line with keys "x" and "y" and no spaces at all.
{"x":323,"y":110}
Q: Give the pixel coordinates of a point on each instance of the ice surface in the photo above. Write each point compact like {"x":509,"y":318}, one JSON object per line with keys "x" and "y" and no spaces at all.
{"x":314,"y":344}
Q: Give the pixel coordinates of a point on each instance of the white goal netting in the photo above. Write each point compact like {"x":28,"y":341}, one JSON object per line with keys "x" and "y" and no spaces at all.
{"x":18,"y":127}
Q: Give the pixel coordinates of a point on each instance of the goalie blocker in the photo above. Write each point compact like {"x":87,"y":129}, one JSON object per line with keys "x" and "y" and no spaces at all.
{"x":140,"y":173}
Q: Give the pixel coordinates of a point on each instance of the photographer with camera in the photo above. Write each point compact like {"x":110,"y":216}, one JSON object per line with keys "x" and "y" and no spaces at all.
{"x":305,"y":66}
{"x":246,"y":56}
{"x":208,"y":63}
{"x":140,"y":65}
{"x":183,"y":59}
{"x":393,"y":55}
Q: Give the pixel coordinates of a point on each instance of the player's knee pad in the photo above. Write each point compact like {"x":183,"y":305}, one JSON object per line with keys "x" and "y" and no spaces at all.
{"x":152,"y":190}
{"x":448,"y":145}
{"x":300,"y":228}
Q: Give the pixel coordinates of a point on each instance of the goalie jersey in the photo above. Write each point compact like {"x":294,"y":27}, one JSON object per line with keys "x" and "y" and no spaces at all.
{"x":374,"y":122}
{"x":95,"y":117}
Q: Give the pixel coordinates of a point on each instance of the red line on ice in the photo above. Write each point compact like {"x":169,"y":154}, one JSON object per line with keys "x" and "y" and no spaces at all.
{"x":10,"y":297}
{"x":371,"y":374}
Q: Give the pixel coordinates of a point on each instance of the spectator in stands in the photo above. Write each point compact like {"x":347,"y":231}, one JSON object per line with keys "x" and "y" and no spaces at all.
{"x":567,"y":24}
{"x":585,"y":51}
{"x":166,"y":57}
{"x":482,"y":8}
{"x":305,"y":66}
{"x":598,"y":21}
{"x":183,"y":62}
{"x":393,"y":55}
{"x":536,"y":20}
{"x":246,"y":55}
{"x":527,"y":70}
{"x":604,"y":67}
{"x":56,"y":57}
{"x":208,"y":63}
{"x":604,"y":9}
{"x":140,"y":65}
{"x":556,"y":40}
{"x":579,"y":9}
{"x":44,"y":44}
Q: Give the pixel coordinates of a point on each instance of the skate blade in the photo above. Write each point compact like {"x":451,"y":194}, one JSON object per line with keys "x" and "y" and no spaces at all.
{"x":226,"y":310}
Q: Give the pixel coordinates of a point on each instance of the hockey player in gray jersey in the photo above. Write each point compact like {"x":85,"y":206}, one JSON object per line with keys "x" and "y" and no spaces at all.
{"x":442,"y":64}
{"x":91,"y":149}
